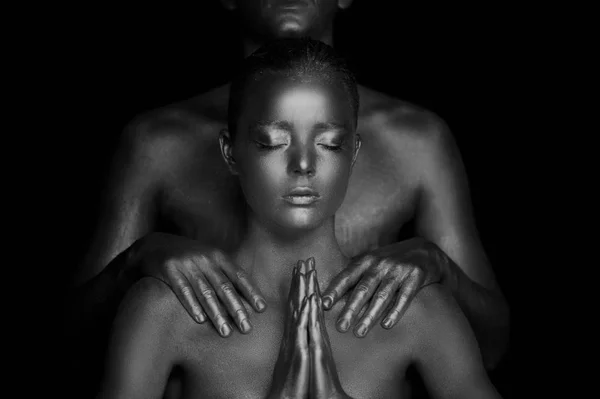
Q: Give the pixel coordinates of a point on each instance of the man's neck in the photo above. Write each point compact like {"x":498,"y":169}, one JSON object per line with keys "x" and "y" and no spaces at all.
{"x":251,"y":44}
{"x":269,"y":256}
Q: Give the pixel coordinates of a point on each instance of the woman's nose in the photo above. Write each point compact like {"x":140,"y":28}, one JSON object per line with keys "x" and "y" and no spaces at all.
{"x":302,"y":162}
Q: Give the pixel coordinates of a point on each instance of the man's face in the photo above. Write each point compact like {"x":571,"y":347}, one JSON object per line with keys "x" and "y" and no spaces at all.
{"x":294,"y":148}
{"x":287,"y":18}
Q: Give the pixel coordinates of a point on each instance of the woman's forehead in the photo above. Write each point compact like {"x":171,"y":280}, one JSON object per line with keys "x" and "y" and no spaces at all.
{"x":284,"y":98}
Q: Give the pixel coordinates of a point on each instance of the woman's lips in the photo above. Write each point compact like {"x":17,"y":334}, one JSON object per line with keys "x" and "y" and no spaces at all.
{"x":301,"y":199}
{"x":301,"y":196}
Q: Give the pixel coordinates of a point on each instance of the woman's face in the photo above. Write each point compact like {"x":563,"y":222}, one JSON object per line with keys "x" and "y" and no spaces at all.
{"x":294,"y":149}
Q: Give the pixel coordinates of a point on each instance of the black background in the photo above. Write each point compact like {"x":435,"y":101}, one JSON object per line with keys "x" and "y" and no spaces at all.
{"x":463,"y":64}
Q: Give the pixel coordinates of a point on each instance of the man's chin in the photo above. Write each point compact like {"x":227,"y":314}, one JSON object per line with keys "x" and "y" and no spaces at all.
{"x":291,"y":32}
{"x":292,"y":25}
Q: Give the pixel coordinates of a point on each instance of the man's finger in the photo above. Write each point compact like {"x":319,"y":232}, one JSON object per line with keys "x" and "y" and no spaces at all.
{"x":228,"y":296}
{"x":346,"y":279}
{"x":182,"y":288}
{"x":408,"y":290}
{"x":212,"y":307}
{"x":382,"y":298}
{"x":360,"y":295}
{"x":242,"y":282}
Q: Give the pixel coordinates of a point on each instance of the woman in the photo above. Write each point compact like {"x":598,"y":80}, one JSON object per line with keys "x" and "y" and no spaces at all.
{"x":292,"y":143}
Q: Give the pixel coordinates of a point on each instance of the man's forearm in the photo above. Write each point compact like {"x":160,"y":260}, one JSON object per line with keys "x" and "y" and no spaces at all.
{"x":93,"y":303}
{"x":486,"y":310}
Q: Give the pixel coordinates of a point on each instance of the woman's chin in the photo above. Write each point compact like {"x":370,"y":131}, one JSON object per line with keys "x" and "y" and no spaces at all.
{"x":300,"y":223}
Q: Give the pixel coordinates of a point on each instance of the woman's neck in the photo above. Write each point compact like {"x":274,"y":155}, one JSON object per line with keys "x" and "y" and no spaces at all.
{"x":269,"y":256}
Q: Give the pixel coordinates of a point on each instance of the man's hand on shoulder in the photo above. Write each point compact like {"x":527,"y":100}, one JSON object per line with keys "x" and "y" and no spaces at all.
{"x":204,"y":279}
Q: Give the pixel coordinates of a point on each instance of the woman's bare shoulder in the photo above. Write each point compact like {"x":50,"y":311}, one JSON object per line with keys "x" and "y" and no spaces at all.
{"x":151,"y":304}
{"x":435,"y":317}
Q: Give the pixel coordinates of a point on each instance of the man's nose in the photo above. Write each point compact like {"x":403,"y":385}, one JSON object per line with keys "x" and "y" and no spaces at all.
{"x":302,"y":161}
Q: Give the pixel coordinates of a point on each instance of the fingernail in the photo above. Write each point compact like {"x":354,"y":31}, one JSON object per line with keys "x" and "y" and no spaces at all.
{"x":387,"y":323}
{"x":260,"y":305}
{"x":327,"y":301}
{"x":344,"y":324}
{"x":361,"y":330}
{"x":245,"y":324}
{"x":225,"y":330}
{"x":199,"y":318}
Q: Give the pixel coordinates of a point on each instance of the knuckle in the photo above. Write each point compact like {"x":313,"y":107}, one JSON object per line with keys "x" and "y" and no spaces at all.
{"x":390,"y":264}
{"x":226,"y":287}
{"x":188,"y":264}
{"x":186,"y":291}
{"x":241,"y":275}
{"x":362,"y":288}
{"x":200,"y":259}
{"x":382,"y":295}
{"x":215,"y":254}
{"x":369,"y":258}
{"x":171,"y":265}
{"x":208,"y":293}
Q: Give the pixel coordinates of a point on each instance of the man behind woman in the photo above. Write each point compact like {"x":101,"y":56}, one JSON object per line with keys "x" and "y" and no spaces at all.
{"x":292,"y":143}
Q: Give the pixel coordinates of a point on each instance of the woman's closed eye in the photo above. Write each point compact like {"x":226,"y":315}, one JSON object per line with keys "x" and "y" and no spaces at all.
{"x":331,"y":147}
{"x":268,"y":147}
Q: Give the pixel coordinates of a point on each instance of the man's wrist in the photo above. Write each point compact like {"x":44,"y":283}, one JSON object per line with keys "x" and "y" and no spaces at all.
{"x":447,"y":269}
{"x":123,"y":269}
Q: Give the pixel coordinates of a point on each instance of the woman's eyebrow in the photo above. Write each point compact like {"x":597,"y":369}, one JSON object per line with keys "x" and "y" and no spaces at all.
{"x":262,"y":126}
{"x":330,"y":126}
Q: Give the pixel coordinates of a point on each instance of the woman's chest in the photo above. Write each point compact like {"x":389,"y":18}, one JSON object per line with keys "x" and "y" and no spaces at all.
{"x":243,"y":365}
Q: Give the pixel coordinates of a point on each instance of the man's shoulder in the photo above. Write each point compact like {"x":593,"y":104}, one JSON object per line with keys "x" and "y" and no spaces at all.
{"x":171,"y":135}
{"x":412,"y":139}
{"x":183,"y":122}
{"x":399,"y":122}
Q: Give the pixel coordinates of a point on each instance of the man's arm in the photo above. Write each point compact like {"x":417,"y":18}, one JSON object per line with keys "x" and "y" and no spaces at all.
{"x":445,"y":217}
{"x":127,"y":213}
{"x":129,"y":198}
{"x":445,"y":350}
{"x":142,"y":347}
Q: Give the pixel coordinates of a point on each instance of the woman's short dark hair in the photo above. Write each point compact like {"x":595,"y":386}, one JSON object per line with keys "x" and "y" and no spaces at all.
{"x":295,"y":57}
